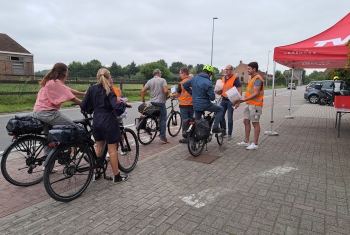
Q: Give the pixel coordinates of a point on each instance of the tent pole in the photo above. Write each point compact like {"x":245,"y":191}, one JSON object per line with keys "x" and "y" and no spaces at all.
{"x":270,"y":132}
{"x":290,"y":97}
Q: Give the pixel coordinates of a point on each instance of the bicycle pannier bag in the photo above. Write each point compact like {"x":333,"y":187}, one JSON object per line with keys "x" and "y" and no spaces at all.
{"x":202,"y":129}
{"x":67,"y":134}
{"x":149,"y":110}
{"x":24,"y":124}
{"x":142,"y":123}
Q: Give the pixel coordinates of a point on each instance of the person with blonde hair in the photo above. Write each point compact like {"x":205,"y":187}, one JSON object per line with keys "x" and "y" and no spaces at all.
{"x":101,"y":100}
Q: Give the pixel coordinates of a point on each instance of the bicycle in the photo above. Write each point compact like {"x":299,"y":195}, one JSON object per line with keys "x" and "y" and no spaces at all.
{"x":196,"y":146}
{"x":149,"y":125}
{"x":77,"y":162}
{"x":22,"y":160}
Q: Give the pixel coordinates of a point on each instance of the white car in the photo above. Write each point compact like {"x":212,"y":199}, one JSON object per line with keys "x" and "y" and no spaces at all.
{"x":294,"y":87}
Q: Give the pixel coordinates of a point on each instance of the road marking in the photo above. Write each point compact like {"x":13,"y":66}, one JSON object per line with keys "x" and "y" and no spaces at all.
{"x":277,"y":171}
{"x":202,"y":198}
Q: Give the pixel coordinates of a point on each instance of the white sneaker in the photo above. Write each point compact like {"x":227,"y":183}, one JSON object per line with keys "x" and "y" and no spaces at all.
{"x":252,"y":146}
{"x":54,"y":170}
{"x":122,"y":153}
{"x":243,"y":144}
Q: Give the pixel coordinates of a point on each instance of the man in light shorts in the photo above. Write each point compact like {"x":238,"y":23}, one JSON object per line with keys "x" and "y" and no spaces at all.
{"x":254,"y":97}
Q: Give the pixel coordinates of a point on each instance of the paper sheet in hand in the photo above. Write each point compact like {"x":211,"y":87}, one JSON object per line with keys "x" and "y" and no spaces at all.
{"x":233,"y":95}
{"x":219,"y":85}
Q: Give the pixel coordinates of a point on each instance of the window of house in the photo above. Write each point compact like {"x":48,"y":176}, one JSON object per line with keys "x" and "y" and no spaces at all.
{"x":17,"y":68}
{"x":16,"y":58}
{"x":242,"y":79}
{"x":242,"y":73}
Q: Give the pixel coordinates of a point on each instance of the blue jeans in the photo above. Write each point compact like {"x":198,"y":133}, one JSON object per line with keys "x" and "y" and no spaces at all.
{"x":227,"y":105}
{"x":212,"y":108}
{"x":162,"y":118}
{"x":186,"y":112}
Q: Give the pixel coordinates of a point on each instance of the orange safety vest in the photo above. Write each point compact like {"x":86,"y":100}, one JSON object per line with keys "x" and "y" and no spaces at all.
{"x":117,"y":91}
{"x":227,"y":85}
{"x":185,"y":99}
{"x":259,"y":100}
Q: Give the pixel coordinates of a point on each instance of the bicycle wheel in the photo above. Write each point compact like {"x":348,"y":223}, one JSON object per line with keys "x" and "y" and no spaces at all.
{"x":149,"y":131}
{"x":195,"y":146}
{"x":219,"y":136}
{"x":21,"y":161}
{"x":128,"y":151}
{"x":174,"y":123}
{"x":68,"y":171}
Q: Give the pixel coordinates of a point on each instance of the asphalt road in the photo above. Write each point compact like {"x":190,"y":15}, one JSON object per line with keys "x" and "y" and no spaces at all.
{"x":74,"y":113}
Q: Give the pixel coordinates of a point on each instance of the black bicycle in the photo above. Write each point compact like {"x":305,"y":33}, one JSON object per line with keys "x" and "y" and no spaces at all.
{"x":22,"y":160}
{"x":149,"y":124}
{"x":195,"y":145}
{"x":76,"y":163}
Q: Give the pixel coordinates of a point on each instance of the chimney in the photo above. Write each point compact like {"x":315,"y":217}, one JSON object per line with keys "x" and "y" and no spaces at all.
{"x":240,"y":61}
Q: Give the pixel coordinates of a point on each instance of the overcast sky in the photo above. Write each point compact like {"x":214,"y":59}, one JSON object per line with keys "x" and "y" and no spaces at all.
{"x":145,"y":31}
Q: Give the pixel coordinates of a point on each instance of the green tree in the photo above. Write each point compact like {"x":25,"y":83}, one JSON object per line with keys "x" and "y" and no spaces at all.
{"x":199,"y":67}
{"x":190,"y":66}
{"x":133,"y":69}
{"x":116,"y":70}
{"x":193,"y":70}
{"x":315,"y":76}
{"x":146,"y":70}
{"x":163,"y":63}
{"x":92,"y":67}
{"x":279,"y":78}
{"x":175,"y":67}
{"x":76,"y":69}
{"x":343,"y":74}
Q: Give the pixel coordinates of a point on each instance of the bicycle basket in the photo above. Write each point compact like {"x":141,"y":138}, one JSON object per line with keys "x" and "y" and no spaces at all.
{"x":202,"y":129}
{"x":149,"y":110}
{"x":67,"y":134}
{"x":24,"y":124}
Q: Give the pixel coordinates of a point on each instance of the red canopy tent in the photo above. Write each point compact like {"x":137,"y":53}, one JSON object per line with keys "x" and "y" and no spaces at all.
{"x":325,"y":50}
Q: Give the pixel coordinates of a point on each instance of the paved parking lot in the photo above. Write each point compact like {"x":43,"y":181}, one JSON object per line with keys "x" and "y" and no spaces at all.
{"x":295,"y":183}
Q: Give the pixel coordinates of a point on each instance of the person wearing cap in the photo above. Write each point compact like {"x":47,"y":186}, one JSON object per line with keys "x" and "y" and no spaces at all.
{"x":336,"y":86}
{"x":201,"y":89}
{"x":159,"y":93}
{"x":229,"y":81}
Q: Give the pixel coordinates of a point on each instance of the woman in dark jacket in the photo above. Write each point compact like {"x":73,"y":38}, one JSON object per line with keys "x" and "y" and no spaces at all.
{"x":101,"y":100}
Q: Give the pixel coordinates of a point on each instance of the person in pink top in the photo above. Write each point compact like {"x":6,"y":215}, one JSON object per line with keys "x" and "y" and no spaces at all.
{"x":52,"y":94}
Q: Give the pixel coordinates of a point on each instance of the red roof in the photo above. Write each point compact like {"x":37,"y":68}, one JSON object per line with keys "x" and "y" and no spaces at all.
{"x":325,"y":50}
{"x":9,"y":45}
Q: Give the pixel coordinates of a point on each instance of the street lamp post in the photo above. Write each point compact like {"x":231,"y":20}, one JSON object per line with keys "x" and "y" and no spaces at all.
{"x":212,"y":42}
{"x":267,"y":69}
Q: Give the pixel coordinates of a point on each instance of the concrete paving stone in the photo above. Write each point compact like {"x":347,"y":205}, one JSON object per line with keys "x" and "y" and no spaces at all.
{"x":262,"y":226}
{"x":161,"y":229}
{"x":263,"y":232}
{"x":189,"y":227}
{"x":173,"y":232}
{"x":233,"y":230}
{"x":251,"y":198}
{"x":147,"y":230}
{"x":279,"y":228}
